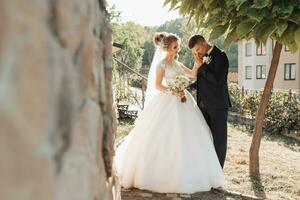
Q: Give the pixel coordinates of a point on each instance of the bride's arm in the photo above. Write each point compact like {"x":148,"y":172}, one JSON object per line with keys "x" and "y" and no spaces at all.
{"x":190,"y":72}
{"x":160,"y":72}
{"x":158,"y":81}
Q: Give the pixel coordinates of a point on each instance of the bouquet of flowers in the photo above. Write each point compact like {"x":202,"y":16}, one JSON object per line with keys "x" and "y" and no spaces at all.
{"x":179,"y":84}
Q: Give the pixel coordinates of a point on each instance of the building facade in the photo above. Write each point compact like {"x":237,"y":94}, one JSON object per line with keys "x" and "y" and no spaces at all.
{"x":254,"y":64}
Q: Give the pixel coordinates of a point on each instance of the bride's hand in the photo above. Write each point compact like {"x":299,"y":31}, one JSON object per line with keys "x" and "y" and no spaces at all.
{"x":179,"y":94}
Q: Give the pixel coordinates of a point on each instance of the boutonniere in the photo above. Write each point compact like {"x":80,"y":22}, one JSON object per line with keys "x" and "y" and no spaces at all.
{"x":206,"y":59}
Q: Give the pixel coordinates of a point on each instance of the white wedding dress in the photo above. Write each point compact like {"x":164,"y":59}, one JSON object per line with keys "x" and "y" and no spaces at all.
{"x":170,"y":149}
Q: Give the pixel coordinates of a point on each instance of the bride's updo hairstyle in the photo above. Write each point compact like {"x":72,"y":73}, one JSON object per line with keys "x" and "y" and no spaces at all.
{"x":164,"y":39}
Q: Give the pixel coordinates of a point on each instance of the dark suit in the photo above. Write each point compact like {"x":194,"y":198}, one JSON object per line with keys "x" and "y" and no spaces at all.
{"x":213,"y":98}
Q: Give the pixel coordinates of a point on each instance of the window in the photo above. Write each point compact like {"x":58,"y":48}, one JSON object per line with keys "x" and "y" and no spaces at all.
{"x":261,"y":50}
{"x":290,"y":71}
{"x":248,"y":72}
{"x":248,"y":49}
{"x":260,"y":71}
{"x":286,"y":48}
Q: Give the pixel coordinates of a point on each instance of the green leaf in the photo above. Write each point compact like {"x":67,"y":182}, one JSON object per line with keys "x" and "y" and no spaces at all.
{"x":288,"y":37}
{"x":295,"y":16}
{"x":217,"y":11}
{"x":173,"y":4}
{"x":211,"y":22}
{"x":261,"y":3}
{"x":231,"y":37}
{"x":183,"y":9}
{"x":245,"y":27}
{"x":255,"y":14}
{"x":218,"y":31}
{"x":292,"y":46}
{"x":263,"y":31}
{"x":239,"y":3}
{"x":289,"y":34}
{"x":168,"y":1}
{"x":281,"y":27}
{"x":297,"y":37}
{"x":230,"y":3}
{"x":207,"y":3}
{"x":282,"y":11}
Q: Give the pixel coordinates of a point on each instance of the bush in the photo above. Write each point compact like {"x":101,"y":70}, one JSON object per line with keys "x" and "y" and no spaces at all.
{"x":283,"y":111}
{"x":235,"y":93}
{"x":135,"y":81}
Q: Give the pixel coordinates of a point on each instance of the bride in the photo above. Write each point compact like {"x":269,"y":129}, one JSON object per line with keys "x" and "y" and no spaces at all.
{"x":170,"y":149}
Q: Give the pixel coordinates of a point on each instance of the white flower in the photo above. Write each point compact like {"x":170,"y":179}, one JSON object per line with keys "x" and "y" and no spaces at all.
{"x":206,"y":59}
{"x":180,"y":83}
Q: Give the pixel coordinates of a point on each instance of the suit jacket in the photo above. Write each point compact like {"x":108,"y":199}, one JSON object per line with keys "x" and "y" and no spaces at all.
{"x":211,"y":84}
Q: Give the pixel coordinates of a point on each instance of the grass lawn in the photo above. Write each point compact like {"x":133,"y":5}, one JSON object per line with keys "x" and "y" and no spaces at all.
{"x":279,"y":164}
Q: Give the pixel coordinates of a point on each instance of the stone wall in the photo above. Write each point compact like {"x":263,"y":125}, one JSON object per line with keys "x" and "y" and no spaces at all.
{"x":56,"y":117}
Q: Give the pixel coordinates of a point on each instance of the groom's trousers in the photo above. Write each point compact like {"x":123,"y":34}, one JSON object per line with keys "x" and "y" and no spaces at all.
{"x":217,"y":122}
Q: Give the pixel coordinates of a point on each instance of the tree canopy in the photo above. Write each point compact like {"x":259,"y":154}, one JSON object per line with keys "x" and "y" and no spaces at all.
{"x":246,"y":19}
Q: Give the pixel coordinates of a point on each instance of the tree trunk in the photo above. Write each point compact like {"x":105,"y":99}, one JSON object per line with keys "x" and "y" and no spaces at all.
{"x":254,"y":149}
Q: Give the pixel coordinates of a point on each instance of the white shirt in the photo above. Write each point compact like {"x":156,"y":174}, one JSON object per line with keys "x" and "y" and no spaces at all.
{"x":210,"y":50}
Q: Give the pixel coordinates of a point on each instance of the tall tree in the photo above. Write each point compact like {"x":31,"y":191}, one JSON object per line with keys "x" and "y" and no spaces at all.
{"x":244,"y":19}
{"x":114,"y":14}
{"x":132,"y":37}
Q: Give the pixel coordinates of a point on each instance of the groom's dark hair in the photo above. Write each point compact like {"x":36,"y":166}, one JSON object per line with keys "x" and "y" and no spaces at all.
{"x":195,"y":39}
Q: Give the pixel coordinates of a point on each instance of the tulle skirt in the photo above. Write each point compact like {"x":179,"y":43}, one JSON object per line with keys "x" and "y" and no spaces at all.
{"x":169,"y":150}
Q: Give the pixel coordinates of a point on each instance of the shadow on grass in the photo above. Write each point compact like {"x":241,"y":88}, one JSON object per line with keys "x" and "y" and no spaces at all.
{"x":258,"y":187}
{"x":288,"y":142}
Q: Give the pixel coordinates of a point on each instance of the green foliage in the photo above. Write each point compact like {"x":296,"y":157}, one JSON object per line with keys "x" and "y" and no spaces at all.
{"x":135,"y":81}
{"x":243,"y":19}
{"x":114,"y":14}
{"x":283,"y":112}
{"x":149,"y":50}
{"x":132,"y":37}
{"x":172,"y":26}
{"x":122,"y":87}
{"x":236,"y":97}
{"x":138,"y":48}
{"x":250,"y":103}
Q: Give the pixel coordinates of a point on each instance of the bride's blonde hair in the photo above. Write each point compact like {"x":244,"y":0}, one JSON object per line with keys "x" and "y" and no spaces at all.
{"x":164,"y":39}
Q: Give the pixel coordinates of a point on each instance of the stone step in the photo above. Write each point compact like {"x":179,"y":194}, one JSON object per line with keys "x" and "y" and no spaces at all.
{"x":136,"y":194}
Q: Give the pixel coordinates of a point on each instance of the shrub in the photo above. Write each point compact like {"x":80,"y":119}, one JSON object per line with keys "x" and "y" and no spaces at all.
{"x":283,"y":111}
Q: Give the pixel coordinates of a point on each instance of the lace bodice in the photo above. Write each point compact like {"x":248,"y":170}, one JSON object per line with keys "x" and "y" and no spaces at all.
{"x":171,"y":71}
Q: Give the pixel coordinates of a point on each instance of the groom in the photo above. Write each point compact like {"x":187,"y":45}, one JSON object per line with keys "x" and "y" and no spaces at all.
{"x":212,"y":90}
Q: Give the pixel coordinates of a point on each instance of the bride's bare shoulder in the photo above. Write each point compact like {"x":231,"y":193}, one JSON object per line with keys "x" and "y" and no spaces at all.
{"x":162,"y":64}
{"x":162,"y":61}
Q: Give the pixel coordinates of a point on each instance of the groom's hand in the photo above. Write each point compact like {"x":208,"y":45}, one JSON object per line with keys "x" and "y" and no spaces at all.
{"x":198,"y":60}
